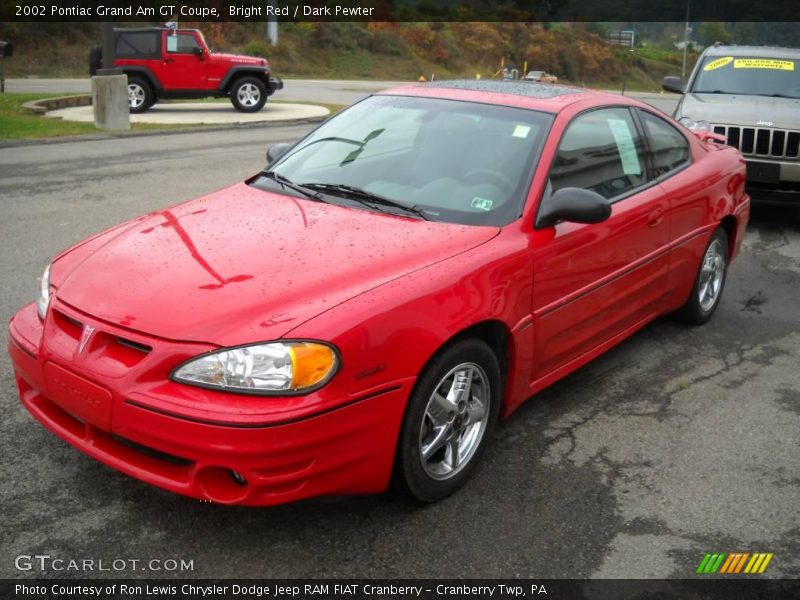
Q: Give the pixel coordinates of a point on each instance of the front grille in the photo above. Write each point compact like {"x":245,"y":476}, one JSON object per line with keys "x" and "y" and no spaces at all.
{"x":761,"y":141}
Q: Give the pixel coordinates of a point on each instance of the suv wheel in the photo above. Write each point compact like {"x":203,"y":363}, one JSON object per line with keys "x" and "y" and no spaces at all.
{"x":140,"y":95}
{"x":248,"y":94}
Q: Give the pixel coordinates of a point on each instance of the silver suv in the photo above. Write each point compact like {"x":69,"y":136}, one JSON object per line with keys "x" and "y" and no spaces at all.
{"x":751,"y":96}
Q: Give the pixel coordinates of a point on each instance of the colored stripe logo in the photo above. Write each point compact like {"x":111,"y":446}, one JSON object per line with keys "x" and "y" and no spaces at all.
{"x":734,"y":563}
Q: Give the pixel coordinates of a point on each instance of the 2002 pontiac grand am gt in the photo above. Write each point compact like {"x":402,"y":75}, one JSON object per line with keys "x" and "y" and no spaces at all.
{"x":372,"y":303}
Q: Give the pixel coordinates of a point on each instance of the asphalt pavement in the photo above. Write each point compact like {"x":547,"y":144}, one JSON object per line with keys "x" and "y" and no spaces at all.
{"x":678,"y":442}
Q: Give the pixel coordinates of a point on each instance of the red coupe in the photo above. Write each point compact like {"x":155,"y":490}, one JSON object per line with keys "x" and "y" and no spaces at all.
{"x":387,"y":289}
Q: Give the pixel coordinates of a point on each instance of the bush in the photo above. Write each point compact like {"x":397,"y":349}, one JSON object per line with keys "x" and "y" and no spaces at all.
{"x":255,"y":48}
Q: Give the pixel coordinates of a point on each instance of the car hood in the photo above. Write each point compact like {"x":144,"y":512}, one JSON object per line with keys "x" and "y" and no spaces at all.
{"x":737,"y":109}
{"x":239,"y":59}
{"x":243,"y":265}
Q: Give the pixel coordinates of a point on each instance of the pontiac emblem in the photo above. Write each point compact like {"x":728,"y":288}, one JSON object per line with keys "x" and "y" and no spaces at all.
{"x":88,"y":330}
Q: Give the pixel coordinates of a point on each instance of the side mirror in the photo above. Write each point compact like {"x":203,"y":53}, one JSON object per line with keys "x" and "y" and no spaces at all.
{"x":276,"y":151}
{"x":670,"y":83}
{"x":198,"y":52}
{"x":576,"y":205}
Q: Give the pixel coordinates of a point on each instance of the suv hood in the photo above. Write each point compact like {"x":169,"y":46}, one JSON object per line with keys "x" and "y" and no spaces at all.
{"x":244,"y":265}
{"x":738,"y":109}
{"x":239,"y":59}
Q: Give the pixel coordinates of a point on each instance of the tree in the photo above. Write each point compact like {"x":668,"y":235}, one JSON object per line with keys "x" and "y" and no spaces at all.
{"x":713,"y":31}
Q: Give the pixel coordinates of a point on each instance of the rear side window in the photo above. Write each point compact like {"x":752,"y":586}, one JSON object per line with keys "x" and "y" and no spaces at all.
{"x":601,"y":151}
{"x":181,"y":43}
{"x":668,"y":148}
{"x":139,"y":44}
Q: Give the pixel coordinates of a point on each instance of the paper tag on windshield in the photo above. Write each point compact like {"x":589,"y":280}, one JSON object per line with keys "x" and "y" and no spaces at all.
{"x":481,"y":203}
{"x":625,"y":147}
{"x":521,"y":131}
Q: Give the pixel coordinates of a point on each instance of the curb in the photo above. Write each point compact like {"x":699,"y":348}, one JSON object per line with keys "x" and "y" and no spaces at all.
{"x":39,"y":107}
{"x":94,"y":137}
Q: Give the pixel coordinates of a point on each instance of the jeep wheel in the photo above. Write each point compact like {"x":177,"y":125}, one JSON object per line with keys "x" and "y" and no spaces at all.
{"x":248,"y":94}
{"x":140,"y":95}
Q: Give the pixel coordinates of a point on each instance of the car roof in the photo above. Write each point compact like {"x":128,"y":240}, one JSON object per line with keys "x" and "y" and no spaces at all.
{"x":754,"y":51}
{"x":546,"y":97}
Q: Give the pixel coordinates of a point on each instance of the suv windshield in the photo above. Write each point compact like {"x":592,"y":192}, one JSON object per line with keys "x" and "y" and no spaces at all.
{"x":749,"y":75}
{"x":460,"y":162}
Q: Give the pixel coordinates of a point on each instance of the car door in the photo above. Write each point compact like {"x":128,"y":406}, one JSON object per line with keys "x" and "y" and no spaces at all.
{"x":687,"y":194}
{"x":182,"y":68}
{"x":594,"y":283}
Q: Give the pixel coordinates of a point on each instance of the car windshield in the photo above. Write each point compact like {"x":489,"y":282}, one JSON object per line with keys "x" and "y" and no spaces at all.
{"x":453,"y":161}
{"x":749,"y":75}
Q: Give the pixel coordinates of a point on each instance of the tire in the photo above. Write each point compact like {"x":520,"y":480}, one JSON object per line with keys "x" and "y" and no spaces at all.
{"x":140,"y":95}
{"x":434,"y":431}
{"x":248,"y":94}
{"x":709,"y":282}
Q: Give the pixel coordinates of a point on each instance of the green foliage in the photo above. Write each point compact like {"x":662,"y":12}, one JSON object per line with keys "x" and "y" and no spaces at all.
{"x":256,"y":48}
{"x":713,"y":31}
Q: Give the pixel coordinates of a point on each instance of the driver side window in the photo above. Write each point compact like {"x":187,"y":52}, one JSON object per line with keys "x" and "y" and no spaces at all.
{"x":181,"y":43}
{"x":602,"y":151}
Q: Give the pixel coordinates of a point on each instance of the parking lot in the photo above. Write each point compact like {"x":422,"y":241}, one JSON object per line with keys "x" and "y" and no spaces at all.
{"x":676,"y":443}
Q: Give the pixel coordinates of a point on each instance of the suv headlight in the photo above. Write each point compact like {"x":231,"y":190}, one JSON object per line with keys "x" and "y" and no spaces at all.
{"x":44,"y":294}
{"x":275,"y":368}
{"x":695,"y":125}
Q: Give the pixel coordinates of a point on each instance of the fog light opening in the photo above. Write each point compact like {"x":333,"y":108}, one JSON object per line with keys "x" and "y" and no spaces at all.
{"x":237,"y":477}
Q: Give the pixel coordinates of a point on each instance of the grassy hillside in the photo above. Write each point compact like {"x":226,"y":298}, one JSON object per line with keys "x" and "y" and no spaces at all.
{"x":574,"y":52}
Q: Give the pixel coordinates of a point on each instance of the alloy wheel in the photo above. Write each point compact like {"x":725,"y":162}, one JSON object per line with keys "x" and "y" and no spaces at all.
{"x":712,"y":275}
{"x":136,"y":95}
{"x":248,"y":94}
{"x":455,"y":420}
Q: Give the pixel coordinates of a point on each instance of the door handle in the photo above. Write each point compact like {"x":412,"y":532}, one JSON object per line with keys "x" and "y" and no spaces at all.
{"x":166,"y":60}
{"x":654,"y":218}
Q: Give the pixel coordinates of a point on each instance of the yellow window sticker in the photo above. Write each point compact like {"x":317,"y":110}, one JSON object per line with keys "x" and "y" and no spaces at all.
{"x":716,"y":64}
{"x":763,"y":63}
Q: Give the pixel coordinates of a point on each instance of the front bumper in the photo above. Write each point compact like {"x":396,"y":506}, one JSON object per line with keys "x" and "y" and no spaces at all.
{"x":119,"y":409}
{"x":773,"y":181}
{"x":274,"y":84}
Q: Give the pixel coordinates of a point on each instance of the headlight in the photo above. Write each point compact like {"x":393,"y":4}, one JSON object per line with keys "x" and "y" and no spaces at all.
{"x":44,"y":294}
{"x":279,"y":368}
{"x":695,"y":125}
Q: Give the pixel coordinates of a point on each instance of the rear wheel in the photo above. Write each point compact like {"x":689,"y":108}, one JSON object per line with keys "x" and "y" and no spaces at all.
{"x":449,"y":417}
{"x":140,"y":95}
{"x":709,"y":282}
{"x":248,"y":94}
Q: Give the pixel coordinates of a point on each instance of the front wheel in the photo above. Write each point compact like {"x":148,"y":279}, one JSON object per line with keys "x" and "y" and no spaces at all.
{"x":709,"y":282}
{"x":248,"y":94}
{"x":449,"y":417}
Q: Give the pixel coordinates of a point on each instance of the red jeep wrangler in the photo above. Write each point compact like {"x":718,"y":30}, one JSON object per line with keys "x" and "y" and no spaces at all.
{"x":176,"y":63}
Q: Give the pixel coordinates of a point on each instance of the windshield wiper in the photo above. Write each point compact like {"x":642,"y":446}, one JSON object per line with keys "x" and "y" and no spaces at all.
{"x":365,"y":197}
{"x":286,"y":183}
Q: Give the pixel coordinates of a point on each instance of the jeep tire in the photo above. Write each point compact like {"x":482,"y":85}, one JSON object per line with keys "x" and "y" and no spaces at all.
{"x":248,"y":94}
{"x":140,"y":95}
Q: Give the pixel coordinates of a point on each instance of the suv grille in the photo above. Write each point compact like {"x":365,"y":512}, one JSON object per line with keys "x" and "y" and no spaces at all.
{"x":761,"y":141}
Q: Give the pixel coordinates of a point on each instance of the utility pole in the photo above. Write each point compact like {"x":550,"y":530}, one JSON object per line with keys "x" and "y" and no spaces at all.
{"x":272,"y":23}
{"x":685,"y":41}
{"x":110,"y":89}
